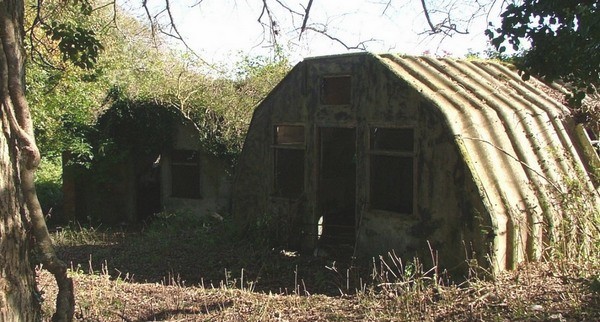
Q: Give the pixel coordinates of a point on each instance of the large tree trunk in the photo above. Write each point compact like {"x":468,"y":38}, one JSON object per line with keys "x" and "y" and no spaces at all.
{"x":22,"y":219}
{"x":17,"y":279}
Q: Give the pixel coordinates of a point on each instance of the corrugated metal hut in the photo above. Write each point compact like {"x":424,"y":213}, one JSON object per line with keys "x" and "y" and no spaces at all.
{"x":372,"y":153}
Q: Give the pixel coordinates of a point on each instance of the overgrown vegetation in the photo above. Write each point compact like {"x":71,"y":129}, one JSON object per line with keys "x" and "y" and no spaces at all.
{"x":69,"y":97}
{"x":181,"y":267}
{"x":578,"y":231}
{"x":558,"y":41}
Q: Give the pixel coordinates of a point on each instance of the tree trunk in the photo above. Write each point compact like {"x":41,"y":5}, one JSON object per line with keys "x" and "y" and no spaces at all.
{"x":17,"y":279}
{"x":22,"y":219}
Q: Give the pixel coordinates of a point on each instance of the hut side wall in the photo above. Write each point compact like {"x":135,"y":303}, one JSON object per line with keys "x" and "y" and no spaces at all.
{"x":90,"y":198}
{"x":253,"y":203}
{"x":213,"y":178}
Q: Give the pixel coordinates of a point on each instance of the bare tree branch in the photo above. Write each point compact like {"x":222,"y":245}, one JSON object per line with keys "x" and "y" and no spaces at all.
{"x":306,"y":15}
{"x":272,"y":24}
{"x":150,"y":20}
{"x":387,"y":6}
{"x":427,"y":17}
{"x":175,"y":34}
{"x":361,"y":45}
{"x":448,"y":26}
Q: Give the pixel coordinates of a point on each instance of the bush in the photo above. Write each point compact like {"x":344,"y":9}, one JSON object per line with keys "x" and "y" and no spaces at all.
{"x":49,"y":186}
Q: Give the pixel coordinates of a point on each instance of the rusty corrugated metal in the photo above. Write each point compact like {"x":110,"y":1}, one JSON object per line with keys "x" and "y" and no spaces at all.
{"x":516,"y":141}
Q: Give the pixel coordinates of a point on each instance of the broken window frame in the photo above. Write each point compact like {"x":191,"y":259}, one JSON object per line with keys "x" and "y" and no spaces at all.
{"x":404,"y":152}
{"x":189,"y":164}
{"x":288,"y":145}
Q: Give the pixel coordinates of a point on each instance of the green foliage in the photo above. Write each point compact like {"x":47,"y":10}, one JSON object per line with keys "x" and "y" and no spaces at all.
{"x":77,"y":57}
{"x":65,"y":85}
{"x":67,"y":100}
{"x":564,"y":38}
{"x":78,"y":45}
{"x":224,"y":118}
{"x":49,"y":186}
{"x":129,"y":130}
{"x":141,"y":127}
{"x":63,"y":109}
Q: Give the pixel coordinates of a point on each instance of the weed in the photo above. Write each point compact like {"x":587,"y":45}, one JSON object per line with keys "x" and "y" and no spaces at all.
{"x":577,"y":236}
{"x":76,"y":234}
{"x":180,"y":268}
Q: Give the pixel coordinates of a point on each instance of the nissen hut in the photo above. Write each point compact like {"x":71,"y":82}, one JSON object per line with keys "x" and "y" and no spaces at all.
{"x":362,"y":154}
{"x":167,"y":170}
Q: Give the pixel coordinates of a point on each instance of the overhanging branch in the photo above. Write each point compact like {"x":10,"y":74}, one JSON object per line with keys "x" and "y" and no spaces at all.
{"x":306,"y":15}
{"x":361,"y":45}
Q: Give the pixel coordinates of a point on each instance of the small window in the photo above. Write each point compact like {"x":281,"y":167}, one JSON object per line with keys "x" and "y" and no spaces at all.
{"x":392,"y":169}
{"x":185,"y":174}
{"x":288,"y":156}
{"x":289,"y":134}
{"x":336,"y":90}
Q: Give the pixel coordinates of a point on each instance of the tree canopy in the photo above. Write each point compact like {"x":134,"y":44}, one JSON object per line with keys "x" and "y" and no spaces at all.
{"x":560,"y":40}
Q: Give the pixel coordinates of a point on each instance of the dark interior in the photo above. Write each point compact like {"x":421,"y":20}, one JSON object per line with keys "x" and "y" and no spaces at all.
{"x":337,"y":188}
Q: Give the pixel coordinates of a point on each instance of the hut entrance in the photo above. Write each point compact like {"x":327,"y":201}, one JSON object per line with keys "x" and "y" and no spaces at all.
{"x":337,"y":189}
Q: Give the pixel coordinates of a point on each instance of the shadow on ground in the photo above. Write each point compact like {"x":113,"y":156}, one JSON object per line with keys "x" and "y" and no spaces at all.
{"x":211,"y":258}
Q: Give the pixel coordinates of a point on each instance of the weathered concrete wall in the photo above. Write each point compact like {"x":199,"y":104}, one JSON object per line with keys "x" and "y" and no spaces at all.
{"x":92,"y":197}
{"x":444,"y":213}
{"x":253,"y":183}
{"x":214,"y":179}
{"x":449,"y":212}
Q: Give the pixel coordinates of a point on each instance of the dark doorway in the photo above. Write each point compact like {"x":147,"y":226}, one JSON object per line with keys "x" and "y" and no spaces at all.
{"x":148,"y":190}
{"x":337,"y":189}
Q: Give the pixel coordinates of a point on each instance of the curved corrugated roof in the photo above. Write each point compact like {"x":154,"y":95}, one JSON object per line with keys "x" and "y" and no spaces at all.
{"x":515,"y":141}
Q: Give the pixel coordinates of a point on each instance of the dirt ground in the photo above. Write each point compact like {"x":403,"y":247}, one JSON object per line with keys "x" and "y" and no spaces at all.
{"x":174,"y":275}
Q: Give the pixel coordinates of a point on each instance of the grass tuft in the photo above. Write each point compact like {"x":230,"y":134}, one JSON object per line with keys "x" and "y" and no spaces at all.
{"x":179,"y":267}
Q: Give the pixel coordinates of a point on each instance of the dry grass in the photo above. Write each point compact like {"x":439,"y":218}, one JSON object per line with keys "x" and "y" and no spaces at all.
{"x":175,"y":275}
{"x":533,"y":293}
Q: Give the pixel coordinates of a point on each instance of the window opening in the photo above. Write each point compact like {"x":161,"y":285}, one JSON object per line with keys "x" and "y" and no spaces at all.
{"x":400,"y":140}
{"x":288,"y":154}
{"x":289,"y":134}
{"x":185,"y":174}
{"x":336,"y":90}
{"x":392,"y":169}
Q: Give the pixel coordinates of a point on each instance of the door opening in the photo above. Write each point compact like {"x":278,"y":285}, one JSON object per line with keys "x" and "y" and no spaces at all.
{"x":337,"y":189}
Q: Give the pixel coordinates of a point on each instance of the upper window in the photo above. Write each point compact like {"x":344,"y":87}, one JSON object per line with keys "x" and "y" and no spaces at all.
{"x":289,"y":134}
{"x":392,"y":169}
{"x":288,"y":155}
{"x":185,"y":174}
{"x":336,"y":90}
